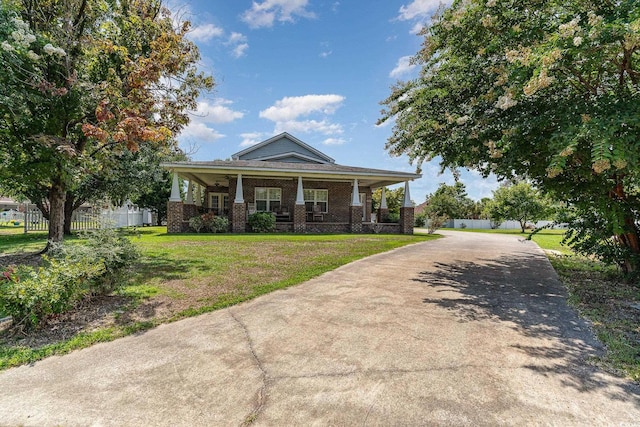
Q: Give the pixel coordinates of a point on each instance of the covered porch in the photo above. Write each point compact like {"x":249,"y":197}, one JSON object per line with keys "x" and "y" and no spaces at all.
{"x":303,"y":198}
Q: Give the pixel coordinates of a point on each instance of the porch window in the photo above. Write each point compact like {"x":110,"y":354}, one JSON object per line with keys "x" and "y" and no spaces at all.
{"x":268,"y":199}
{"x":219,"y":203}
{"x":316,"y":197}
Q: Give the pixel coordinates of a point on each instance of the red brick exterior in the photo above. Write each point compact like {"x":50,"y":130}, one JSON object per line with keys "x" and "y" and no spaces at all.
{"x":189,"y":211}
{"x":174,"y":217}
{"x":239,"y":218}
{"x":406,"y":220}
{"x":355,"y":220}
{"x":383,"y":215}
{"x":299,"y":219}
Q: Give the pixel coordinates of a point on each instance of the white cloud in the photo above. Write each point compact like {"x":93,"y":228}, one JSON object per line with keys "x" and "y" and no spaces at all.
{"x":307,"y":126}
{"x":419,"y":9}
{"x":216,"y":112}
{"x":404,"y":66}
{"x":199,"y":131}
{"x":266,"y":13}
{"x":325,"y":54}
{"x":417,"y":27}
{"x":238,"y":43}
{"x":251,"y":138}
{"x":204,"y":33}
{"x":334,"y":141}
{"x":291,"y":107}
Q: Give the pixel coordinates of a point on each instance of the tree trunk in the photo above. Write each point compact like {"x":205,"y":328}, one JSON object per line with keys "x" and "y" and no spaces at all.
{"x":57,"y":196}
{"x":630,"y":237}
{"x":68,"y":214}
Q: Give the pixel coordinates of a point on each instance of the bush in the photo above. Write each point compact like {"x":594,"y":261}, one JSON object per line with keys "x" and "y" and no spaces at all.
{"x":262,"y":222}
{"x":71,"y":272}
{"x":209,"y":222}
{"x":420,"y":220}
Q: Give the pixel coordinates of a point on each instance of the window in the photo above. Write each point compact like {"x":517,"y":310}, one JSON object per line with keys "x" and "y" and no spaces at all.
{"x":268,"y":199}
{"x":316,"y":197}
{"x":219,"y":203}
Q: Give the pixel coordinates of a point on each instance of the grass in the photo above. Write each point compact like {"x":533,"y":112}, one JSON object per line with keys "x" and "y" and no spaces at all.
{"x":188,"y":274}
{"x":601,"y":295}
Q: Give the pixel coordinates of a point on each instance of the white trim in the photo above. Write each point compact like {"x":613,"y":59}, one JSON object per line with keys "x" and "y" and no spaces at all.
{"x":300,"y":193}
{"x":407,"y":197}
{"x":383,"y":199}
{"x":355,"y":195}
{"x":239,"y":194}
{"x":198,"y":197}
{"x":268,"y":200}
{"x":175,"y":189}
{"x":315,"y":200}
{"x":291,"y":154}
{"x":189,"y":200}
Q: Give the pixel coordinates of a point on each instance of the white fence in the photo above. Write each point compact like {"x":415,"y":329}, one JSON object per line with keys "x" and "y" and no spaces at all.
{"x":487,"y":224}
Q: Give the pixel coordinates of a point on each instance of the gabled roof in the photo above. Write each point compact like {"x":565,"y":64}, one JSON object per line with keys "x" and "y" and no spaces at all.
{"x":304,"y":152}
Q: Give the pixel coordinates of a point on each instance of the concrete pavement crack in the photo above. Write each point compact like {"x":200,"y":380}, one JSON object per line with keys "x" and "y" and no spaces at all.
{"x":262,"y":391}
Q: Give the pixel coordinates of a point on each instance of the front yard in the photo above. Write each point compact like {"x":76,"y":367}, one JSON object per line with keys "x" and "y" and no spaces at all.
{"x":185,"y":275}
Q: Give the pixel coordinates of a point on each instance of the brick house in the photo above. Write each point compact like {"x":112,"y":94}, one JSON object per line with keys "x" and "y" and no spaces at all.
{"x":303,"y":188}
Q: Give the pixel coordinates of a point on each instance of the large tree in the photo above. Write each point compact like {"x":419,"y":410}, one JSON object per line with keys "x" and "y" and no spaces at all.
{"x":83,"y":82}
{"x":449,"y":201}
{"x":543,"y":89}
{"x":518,"y":202}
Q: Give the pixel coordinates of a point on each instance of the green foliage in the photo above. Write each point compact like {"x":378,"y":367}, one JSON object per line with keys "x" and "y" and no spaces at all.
{"x":85,"y":84}
{"x":70,"y":273}
{"x":209,"y":222}
{"x":553,"y":96}
{"x":262,"y":222}
{"x":395,"y":199}
{"x":435,"y":221}
{"x":450,"y":201}
{"x":518,"y":202}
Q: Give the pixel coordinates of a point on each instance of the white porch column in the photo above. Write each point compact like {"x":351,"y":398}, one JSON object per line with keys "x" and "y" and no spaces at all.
{"x":355,"y":197}
{"x":383,"y":199}
{"x":407,"y":197}
{"x":175,"y":190}
{"x":189,"y":200}
{"x":198,"y":195}
{"x":300,"y":193}
{"x":239,"y":194}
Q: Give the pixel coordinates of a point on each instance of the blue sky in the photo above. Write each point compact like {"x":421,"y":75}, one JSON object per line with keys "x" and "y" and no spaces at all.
{"x":314,"y":68}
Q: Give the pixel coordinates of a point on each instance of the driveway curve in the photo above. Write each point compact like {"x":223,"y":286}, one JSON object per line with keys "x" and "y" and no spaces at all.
{"x":471,"y":329}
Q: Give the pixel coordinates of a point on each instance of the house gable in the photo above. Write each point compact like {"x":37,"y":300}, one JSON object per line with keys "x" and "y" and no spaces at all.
{"x":283,"y":148}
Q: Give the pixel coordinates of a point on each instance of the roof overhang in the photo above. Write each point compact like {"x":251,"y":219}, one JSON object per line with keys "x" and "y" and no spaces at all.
{"x":211,"y":174}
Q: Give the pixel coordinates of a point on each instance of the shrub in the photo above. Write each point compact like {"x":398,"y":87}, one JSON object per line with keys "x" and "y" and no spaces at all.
{"x":196,"y":223}
{"x":262,"y":222}
{"x":215,"y":224}
{"x":435,"y":221}
{"x":71,"y":271}
{"x":420,"y":220}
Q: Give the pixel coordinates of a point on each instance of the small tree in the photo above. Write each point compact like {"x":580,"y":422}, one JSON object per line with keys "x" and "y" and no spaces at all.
{"x":520,"y":202}
{"x":394,"y":197}
{"x":449,"y":201}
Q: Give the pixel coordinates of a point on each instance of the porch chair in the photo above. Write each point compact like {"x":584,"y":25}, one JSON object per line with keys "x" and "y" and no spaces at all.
{"x":317,"y":214}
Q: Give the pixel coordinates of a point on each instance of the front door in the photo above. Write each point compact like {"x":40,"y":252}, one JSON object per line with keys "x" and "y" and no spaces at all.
{"x":219,"y":203}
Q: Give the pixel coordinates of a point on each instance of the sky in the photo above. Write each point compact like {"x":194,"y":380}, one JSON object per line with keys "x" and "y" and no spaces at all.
{"x":317,"y":69}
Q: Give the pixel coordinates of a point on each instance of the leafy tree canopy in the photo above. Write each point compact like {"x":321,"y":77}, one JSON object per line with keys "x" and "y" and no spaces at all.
{"x":542,"y":89}
{"x":450,"y":201}
{"x":519,"y":202}
{"x":83,"y":82}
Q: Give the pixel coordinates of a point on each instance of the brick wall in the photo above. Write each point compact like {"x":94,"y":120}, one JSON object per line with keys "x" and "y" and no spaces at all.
{"x":339,"y":195}
{"x":299,"y":219}
{"x":355,"y":220}
{"x":238,"y":218}
{"x":406,"y":220}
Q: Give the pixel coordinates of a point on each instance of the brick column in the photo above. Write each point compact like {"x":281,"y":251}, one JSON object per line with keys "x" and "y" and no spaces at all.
{"x":299,"y":219}
{"x":174,"y":217}
{"x":355,"y":219}
{"x":239,"y":218}
{"x":383,"y":214}
{"x":406,"y":220}
{"x":189,"y":211}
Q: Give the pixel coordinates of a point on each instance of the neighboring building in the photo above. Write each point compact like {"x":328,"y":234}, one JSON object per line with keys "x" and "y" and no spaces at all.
{"x":304,"y":188}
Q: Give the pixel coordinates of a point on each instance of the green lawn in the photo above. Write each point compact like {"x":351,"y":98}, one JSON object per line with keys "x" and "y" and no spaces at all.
{"x":188,"y":274}
{"x":546,"y":239}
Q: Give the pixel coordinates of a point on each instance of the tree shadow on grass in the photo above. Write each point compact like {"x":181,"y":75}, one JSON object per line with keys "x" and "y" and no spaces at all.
{"x":523,"y":291}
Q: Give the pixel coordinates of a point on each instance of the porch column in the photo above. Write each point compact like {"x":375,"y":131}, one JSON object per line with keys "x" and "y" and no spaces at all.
{"x":198,"y":196}
{"x":299,"y":211}
{"x":189,"y":200}
{"x":189,"y":210}
{"x":406,"y":212}
{"x":383,"y":210}
{"x":174,"y":208}
{"x":239,"y":212}
{"x":355,"y":210}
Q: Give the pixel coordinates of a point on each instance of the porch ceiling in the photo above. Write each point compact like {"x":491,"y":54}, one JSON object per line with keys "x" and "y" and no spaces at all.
{"x":219,"y":172}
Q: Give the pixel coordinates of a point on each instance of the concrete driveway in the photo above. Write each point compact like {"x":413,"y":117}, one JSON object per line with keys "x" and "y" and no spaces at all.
{"x":472,"y":329}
